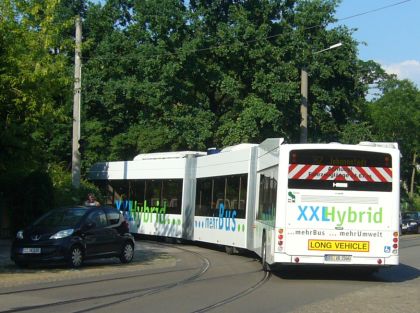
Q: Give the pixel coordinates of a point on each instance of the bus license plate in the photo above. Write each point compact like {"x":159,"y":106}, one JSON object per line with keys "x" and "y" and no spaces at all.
{"x":337,"y":258}
{"x":31,"y":250}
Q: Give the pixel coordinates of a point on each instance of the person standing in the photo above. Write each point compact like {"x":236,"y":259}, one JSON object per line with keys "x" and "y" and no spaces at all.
{"x":91,"y":200}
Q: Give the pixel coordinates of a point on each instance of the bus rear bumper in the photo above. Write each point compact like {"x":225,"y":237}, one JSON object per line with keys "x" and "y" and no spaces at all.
{"x":348,"y":260}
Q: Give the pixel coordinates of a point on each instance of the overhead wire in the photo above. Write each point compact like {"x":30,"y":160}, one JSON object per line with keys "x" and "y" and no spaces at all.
{"x":276,"y":35}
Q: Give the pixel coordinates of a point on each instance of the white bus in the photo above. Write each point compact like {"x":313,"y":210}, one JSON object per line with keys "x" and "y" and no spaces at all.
{"x":289,"y":203}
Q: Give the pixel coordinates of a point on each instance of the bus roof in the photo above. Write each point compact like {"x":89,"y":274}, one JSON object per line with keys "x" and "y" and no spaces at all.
{"x":392,"y":145}
{"x":167,"y":155}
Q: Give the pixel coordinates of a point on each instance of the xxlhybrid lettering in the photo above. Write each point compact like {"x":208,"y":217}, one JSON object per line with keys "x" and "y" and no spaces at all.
{"x":339,"y":216}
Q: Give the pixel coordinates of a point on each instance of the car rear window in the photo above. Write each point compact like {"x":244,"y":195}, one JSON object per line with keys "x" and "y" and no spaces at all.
{"x":113,"y":216}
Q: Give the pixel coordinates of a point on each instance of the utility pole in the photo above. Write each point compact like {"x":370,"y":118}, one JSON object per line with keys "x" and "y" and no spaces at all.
{"x":304,"y":97}
{"x":304,"y":106}
{"x":75,"y":165}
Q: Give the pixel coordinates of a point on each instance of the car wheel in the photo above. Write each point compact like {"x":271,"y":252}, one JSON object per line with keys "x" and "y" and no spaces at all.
{"x":75,"y":258}
{"x":127,"y":253}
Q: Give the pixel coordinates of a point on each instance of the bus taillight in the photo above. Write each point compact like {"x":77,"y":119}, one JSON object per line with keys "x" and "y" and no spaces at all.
{"x":280,"y":237}
{"x":395,"y":240}
{"x":379,"y":261}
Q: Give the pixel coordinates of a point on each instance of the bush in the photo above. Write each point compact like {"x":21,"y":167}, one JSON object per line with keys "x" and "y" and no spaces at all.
{"x":64,"y":192}
{"x":28,"y":198}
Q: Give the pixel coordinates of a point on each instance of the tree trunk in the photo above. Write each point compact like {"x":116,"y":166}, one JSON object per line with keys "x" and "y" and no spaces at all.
{"x":413,"y":175}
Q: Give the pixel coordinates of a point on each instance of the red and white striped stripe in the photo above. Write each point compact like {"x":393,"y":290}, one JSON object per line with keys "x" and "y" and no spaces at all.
{"x":342,"y":173}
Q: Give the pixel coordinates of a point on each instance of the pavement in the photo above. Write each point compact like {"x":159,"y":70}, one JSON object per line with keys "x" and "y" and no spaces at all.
{"x":146,"y":256}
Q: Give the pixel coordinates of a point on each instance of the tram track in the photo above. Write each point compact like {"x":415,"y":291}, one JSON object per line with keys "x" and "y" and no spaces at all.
{"x":134,"y":293}
{"x":91,"y":282}
{"x":266,"y":278}
{"x":102,"y":301}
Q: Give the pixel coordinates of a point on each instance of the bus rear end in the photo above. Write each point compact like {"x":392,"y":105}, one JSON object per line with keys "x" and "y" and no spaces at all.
{"x":341,"y":205}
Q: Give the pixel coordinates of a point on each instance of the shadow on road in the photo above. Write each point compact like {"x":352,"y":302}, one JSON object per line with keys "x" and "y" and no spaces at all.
{"x":141,"y":256}
{"x":397,"y":274}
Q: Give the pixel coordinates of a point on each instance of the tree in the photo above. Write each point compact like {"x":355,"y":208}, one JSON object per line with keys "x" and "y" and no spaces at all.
{"x":396,"y":117}
{"x":172,"y":75}
{"x":33,"y":82}
{"x":33,"y":87}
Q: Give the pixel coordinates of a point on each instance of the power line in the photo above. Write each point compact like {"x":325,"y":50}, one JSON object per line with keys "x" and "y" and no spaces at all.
{"x":373,"y":10}
{"x":276,"y":35}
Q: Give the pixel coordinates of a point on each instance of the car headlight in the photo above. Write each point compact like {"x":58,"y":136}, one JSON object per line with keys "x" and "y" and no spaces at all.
{"x":19,"y":234}
{"x":62,"y":234}
{"x":413,"y":223}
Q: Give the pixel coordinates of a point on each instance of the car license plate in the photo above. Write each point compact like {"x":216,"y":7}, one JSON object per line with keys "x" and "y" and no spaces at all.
{"x":31,"y":250}
{"x":337,"y":258}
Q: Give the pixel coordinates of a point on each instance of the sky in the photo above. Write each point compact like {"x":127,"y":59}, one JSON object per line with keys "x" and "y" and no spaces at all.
{"x":391,"y":35}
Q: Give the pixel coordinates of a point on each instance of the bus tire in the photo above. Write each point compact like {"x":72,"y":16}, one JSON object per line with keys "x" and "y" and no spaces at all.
{"x":229,"y":250}
{"x":265,"y":265}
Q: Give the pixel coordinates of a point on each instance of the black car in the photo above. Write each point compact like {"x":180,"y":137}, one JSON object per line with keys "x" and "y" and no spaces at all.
{"x":74,"y":234}
{"x":410,"y":222}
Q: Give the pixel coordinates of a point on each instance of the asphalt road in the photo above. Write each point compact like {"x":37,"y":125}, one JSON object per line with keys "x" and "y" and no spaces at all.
{"x":191,"y":278}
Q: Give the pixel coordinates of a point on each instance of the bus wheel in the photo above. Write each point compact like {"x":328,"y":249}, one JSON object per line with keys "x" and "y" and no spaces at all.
{"x":265,"y":266}
{"x":229,"y":249}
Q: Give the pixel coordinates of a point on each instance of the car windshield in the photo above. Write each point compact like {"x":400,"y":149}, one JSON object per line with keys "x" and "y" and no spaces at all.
{"x":412,"y":215}
{"x":62,"y":217}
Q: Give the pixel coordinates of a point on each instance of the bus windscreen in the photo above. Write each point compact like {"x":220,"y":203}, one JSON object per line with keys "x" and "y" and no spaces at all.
{"x":340,"y":170}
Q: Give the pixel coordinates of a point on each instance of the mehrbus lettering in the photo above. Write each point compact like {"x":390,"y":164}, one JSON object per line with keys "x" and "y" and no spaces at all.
{"x":225,"y":221}
{"x":339,"y":216}
{"x":308,"y":232}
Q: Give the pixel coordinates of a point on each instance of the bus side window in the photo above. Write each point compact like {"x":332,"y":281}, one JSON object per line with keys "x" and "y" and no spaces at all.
{"x":173,"y":203}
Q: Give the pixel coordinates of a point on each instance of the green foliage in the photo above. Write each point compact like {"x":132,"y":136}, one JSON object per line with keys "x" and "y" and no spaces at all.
{"x":65,"y":193}
{"x":27,"y":198}
{"x":183,"y":75}
{"x":353,"y":133}
{"x":395,"y":116}
{"x":33,"y":82}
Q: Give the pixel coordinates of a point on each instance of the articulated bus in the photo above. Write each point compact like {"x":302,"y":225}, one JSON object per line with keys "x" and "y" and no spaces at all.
{"x":323,"y":204}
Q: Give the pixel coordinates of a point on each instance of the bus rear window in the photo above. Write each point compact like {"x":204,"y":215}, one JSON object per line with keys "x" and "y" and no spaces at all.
{"x":340,"y":170}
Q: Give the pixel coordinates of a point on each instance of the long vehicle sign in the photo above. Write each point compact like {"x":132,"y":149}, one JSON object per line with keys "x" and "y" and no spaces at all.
{"x":338,"y":245}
